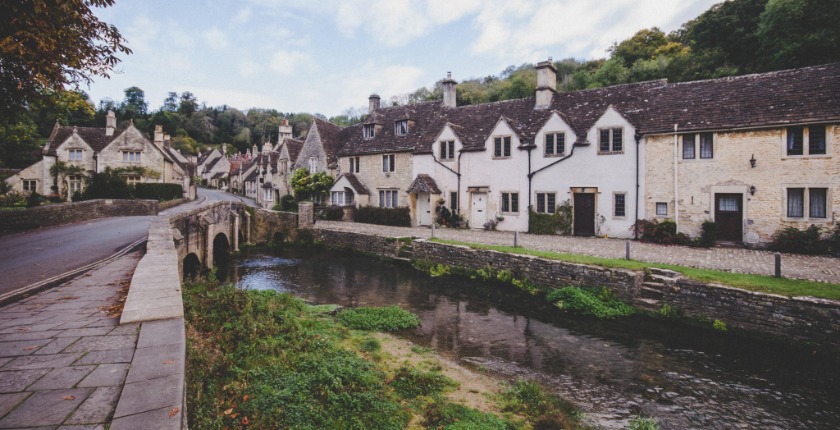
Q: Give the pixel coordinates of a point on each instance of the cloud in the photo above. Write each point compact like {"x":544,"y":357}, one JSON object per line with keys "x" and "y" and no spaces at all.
{"x":241,"y":100}
{"x":141,"y":34}
{"x":242,"y":16}
{"x":353,"y":88}
{"x":216,"y":39}
{"x":286,"y":62}
{"x":247,"y":68}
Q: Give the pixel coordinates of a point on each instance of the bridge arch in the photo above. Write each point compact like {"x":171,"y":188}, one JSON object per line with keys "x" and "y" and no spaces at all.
{"x":192,"y":265}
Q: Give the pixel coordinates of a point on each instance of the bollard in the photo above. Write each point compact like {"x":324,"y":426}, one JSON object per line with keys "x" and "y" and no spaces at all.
{"x":778,"y":258}
{"x":433,"y":230}
{"x":627,"y":250}
{"x":515,"y":239}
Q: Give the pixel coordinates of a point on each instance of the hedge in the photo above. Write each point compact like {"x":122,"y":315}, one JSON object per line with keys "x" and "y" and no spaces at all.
{"x":399,"y":217}
{"x":158,"y":191}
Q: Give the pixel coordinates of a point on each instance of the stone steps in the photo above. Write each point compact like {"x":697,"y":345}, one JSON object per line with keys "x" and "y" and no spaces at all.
{"x":651,"y":305}
{"x":651,"y":290}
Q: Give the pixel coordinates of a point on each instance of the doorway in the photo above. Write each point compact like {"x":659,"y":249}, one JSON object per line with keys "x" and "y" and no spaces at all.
{"x":729,"y":216}
{"x":478,"y":214}
{"x":424,"y":209}
{"x":584,"y":214}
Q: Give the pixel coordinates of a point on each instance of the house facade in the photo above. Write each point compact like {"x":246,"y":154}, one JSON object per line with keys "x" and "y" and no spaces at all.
{"x":72,"y":154}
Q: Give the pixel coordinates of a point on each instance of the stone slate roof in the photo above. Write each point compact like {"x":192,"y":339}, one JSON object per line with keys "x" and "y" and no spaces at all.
{"x":423,"y":184}
{"x":354,"y":182}
{"x":212,"y":164}
{"x":93,"y":136}
{"x":426,"y":120}
{"x":252,"y":177}
{"x":796,"y":96}
{"x":293,"y":146}
{"x":330,"y":139}
{"x":218,"y":175}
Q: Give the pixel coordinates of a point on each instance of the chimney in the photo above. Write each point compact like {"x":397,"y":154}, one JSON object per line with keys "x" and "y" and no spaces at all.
{"x":266,"y":147}
{"x":110,"y":123}
{"x":167,"y":141}
{"x":159,"y":136}
{"x":373,"y":103}
{"x":449,"y":91}
{"x":546,"y":83}
{"x":224,"y":149}
{"x":255,"y":150}
{"x":285,"y":131}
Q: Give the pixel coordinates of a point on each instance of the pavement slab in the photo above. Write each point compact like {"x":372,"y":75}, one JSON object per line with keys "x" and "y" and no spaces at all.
{"x":106,"y":375}
{"x":44,"y":408}
{"x":110,"y":356}
{"x":98,"y":407}
{"x":17,"y":380}
{"x":60,"y":378}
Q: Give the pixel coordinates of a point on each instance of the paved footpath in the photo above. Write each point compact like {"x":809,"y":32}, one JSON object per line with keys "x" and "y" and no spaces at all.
{"x":736,"y":260}
{"x":64,"y":359}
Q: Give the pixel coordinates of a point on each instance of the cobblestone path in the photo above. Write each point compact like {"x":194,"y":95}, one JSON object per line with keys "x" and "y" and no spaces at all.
{"x":736,"y":260}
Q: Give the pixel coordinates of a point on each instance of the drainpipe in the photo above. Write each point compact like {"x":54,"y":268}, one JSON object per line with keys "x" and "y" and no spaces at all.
{"x":638,"y":137}
{"x":676,"y":185}
{"x":458,"y":174}
{"x":530,"y":148}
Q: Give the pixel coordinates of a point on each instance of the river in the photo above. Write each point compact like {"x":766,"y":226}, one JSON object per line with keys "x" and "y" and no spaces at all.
{"x":686,"y":377}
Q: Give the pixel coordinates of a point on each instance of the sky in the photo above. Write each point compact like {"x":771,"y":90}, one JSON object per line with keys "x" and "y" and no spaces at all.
{"x":326,"y":56}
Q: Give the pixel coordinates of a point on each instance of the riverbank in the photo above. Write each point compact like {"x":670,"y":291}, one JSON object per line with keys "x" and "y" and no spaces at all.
{"x":268,"y":360}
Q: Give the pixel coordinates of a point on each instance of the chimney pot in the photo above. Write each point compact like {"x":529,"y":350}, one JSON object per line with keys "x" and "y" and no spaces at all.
{"x":449,"y":95}
{"x":546,"y":83}
{"x":110,"y":123}
{"x":373,"y":103}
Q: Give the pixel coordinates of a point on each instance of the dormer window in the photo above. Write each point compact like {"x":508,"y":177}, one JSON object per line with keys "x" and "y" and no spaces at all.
{"x":555,"y":144}
{"x":74,"y":155}
{"x":401,"y":127}
{"x":501,"y":147}
{"x":369,"y":131}
{"x":447,"y":150}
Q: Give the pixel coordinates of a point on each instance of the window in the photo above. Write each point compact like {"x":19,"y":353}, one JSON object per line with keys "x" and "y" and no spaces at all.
{"x":447,"y":150}
{"x":30,"y":185}
{"x":341,"y":198}
{"x":661,"y":209}
{"x":75,"y":183}
{"x":267,"y":194}
{"x":620,"y":205}
{"x":796,"y":140}
{"x":707,"y":149}
{"x":546,"y":203}
{"x":313,"y":165}
{"x":796,"y":202}
{"x":453,"y":201}
{"x":284,"y":166}
{"x":132,"y":179}
{"x":131,"y":156}
{"x":501,"y":146}
{"x":817,"y":202}
{"x":611,"y":140}
{"x":354,"y":164}
{"x":555,"y":144}
{"x":74,"y":154}
{"x":388,"y":163}
{"x":510,"y":202}
{"x":387,"y":198}
{"x":400,"y":127}
{"x":369,"y":131}
{"x":689,"y":147}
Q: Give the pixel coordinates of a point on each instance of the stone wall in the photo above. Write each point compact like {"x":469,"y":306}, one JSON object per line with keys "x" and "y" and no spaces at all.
{"x":800,"y":318}
{"x":66,"y":213}
{"x":266,"y":224}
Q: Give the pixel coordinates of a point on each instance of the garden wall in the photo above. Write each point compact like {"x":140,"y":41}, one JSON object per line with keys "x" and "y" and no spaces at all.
{"x":66,"y":213}
{"x":799,"y":318}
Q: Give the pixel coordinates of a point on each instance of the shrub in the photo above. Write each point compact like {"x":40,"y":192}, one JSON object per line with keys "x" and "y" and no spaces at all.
{"x":385,"y":318}
{"x":600,"y":304}
{"x":708,"y":234}
{"x":663,"y":233}
{"x":287,"y":204}
{"x":13,"y":199}
{"x":158,"y":191}
{"x":410,"y":382}
{"x":808,"y":241}
{"x":559,"y":221}
{"x":719,"y":326}
{"x":833,"y":241}
{"x":447,"y":218}
{"x":333,"y":213}
{"x":641,"y":423}
{"x":106,"y":185}
{"x":33,"y":200}
{"x":399,"y":217}
{"x":452,"y":416}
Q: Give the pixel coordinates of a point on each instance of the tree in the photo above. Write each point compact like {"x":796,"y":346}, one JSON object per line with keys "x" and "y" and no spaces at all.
{"x":170,"y":103}
{"x":188,"y":105}
{"x":797,"y":33}
{"x":307,"y":186}
{"x":134,"y":105}
{"x":641,"y":46}
{"x":51,"y":45}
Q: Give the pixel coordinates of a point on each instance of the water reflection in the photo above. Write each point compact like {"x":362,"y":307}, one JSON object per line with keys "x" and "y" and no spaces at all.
{"x":685,"y":377}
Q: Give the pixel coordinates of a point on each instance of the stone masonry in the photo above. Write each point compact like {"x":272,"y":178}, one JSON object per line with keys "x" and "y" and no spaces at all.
{"x":66,"y":213}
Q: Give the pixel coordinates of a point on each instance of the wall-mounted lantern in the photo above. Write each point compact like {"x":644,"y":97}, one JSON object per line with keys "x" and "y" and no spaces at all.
{"x":752,"y":161}
{"x":752,"y":190}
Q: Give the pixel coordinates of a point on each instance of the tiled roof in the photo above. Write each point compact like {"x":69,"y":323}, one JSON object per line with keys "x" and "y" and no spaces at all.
{"x":423,"y":184}
{"x":218,"y":175}
{"x":252,"y":176}
{"x":426,"y":120}
{"x":330,"y":138}
{"x":94,"y":137}
{"x":355,"y":183}
{"x":293,"y":146}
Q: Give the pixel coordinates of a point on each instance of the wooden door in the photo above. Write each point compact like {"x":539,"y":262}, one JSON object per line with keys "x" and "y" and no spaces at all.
{"x":584,"y":214}
{"x":478,"y":215}
{"x":729,"y":216}
{"x":424,"y":209}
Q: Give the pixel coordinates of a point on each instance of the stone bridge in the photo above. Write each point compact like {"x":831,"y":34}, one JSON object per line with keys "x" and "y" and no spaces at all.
{"x":205,"y":235}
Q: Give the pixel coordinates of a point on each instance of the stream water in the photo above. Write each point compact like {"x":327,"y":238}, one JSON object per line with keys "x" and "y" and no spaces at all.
{"x":685,"y":377}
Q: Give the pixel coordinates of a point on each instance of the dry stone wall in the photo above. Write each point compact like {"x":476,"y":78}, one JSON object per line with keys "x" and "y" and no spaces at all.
{"x":66,"y":213}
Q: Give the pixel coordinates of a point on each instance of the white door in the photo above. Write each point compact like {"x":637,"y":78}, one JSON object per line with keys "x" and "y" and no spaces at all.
{"x":478,"y":215}
{"x":424,"y":209}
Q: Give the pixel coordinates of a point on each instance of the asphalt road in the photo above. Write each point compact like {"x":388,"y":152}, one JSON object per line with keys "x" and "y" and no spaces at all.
{"x":30,"y":257}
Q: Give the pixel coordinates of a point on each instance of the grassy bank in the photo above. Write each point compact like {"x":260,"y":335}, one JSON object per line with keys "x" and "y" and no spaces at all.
{"x":261,"y":359}
{"x":762,"y":283}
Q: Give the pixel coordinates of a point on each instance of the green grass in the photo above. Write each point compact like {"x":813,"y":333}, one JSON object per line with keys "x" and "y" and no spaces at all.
{"x":597,"y":303}
{"x":385,"y":318}
{"x":762,"y":283}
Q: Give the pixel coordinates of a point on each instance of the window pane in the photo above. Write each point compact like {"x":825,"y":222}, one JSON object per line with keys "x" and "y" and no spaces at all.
{"x":507,"y":146}
{"x":605,"y":141}
{"x":451,"y":153}
{"x":394,"y":198}
{"x":381,"y":198}
{"x":619,"y":205}
{"x":561,"y":143}
{"x":728,"y":204}
{"x":817,"y":202}
{"x":795,"y":202}
{"x":549,"y":144}
{"x":706,"y":148}
{"x":540,"y":202}
{"x":505,"y":202}
{"x":688,"y":146}
{"x":816,"y":139}
{"x":550,"y":204}
{"x":618,"y":142}
{"x":662,"y":209}
{"x":794,"y":140}
{"x":498,"y":148}
{"x":453,"y":201}
{"x":514,"y":202}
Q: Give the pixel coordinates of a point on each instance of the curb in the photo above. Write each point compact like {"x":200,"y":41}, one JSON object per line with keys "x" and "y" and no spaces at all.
{"x":23,"y":292}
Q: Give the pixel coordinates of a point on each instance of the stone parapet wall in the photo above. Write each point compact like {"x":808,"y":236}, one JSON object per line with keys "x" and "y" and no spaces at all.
{"x":799,"y":318}
{"x":66,"y":213}
{"x":266,"y":224}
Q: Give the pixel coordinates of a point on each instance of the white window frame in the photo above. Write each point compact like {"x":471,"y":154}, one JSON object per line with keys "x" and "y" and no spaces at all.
{"x":131,"y":156}
{"x":388,"y":198}
{"x":75,"y":183}
{"x":657,"y":208}
{"x":506,"y":199}
{"x":401,"y":127}
{"x":268,"y":194}
{"x":612,"y":132}
{"x":133,"y":179}
{"x":75,"y":154}
{"x":369,"y":131}
{"x":542,"y":198}
{"x":558,"y":144}
{"x":313,"y":165}
{"x":389,"y":162}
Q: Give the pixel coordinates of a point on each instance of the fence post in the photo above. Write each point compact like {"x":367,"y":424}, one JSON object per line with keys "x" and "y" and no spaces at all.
{"x":433,"y":230}
{"x":515,"y":239}
{"x":627,"y":250}
{"x":778,"y":258}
